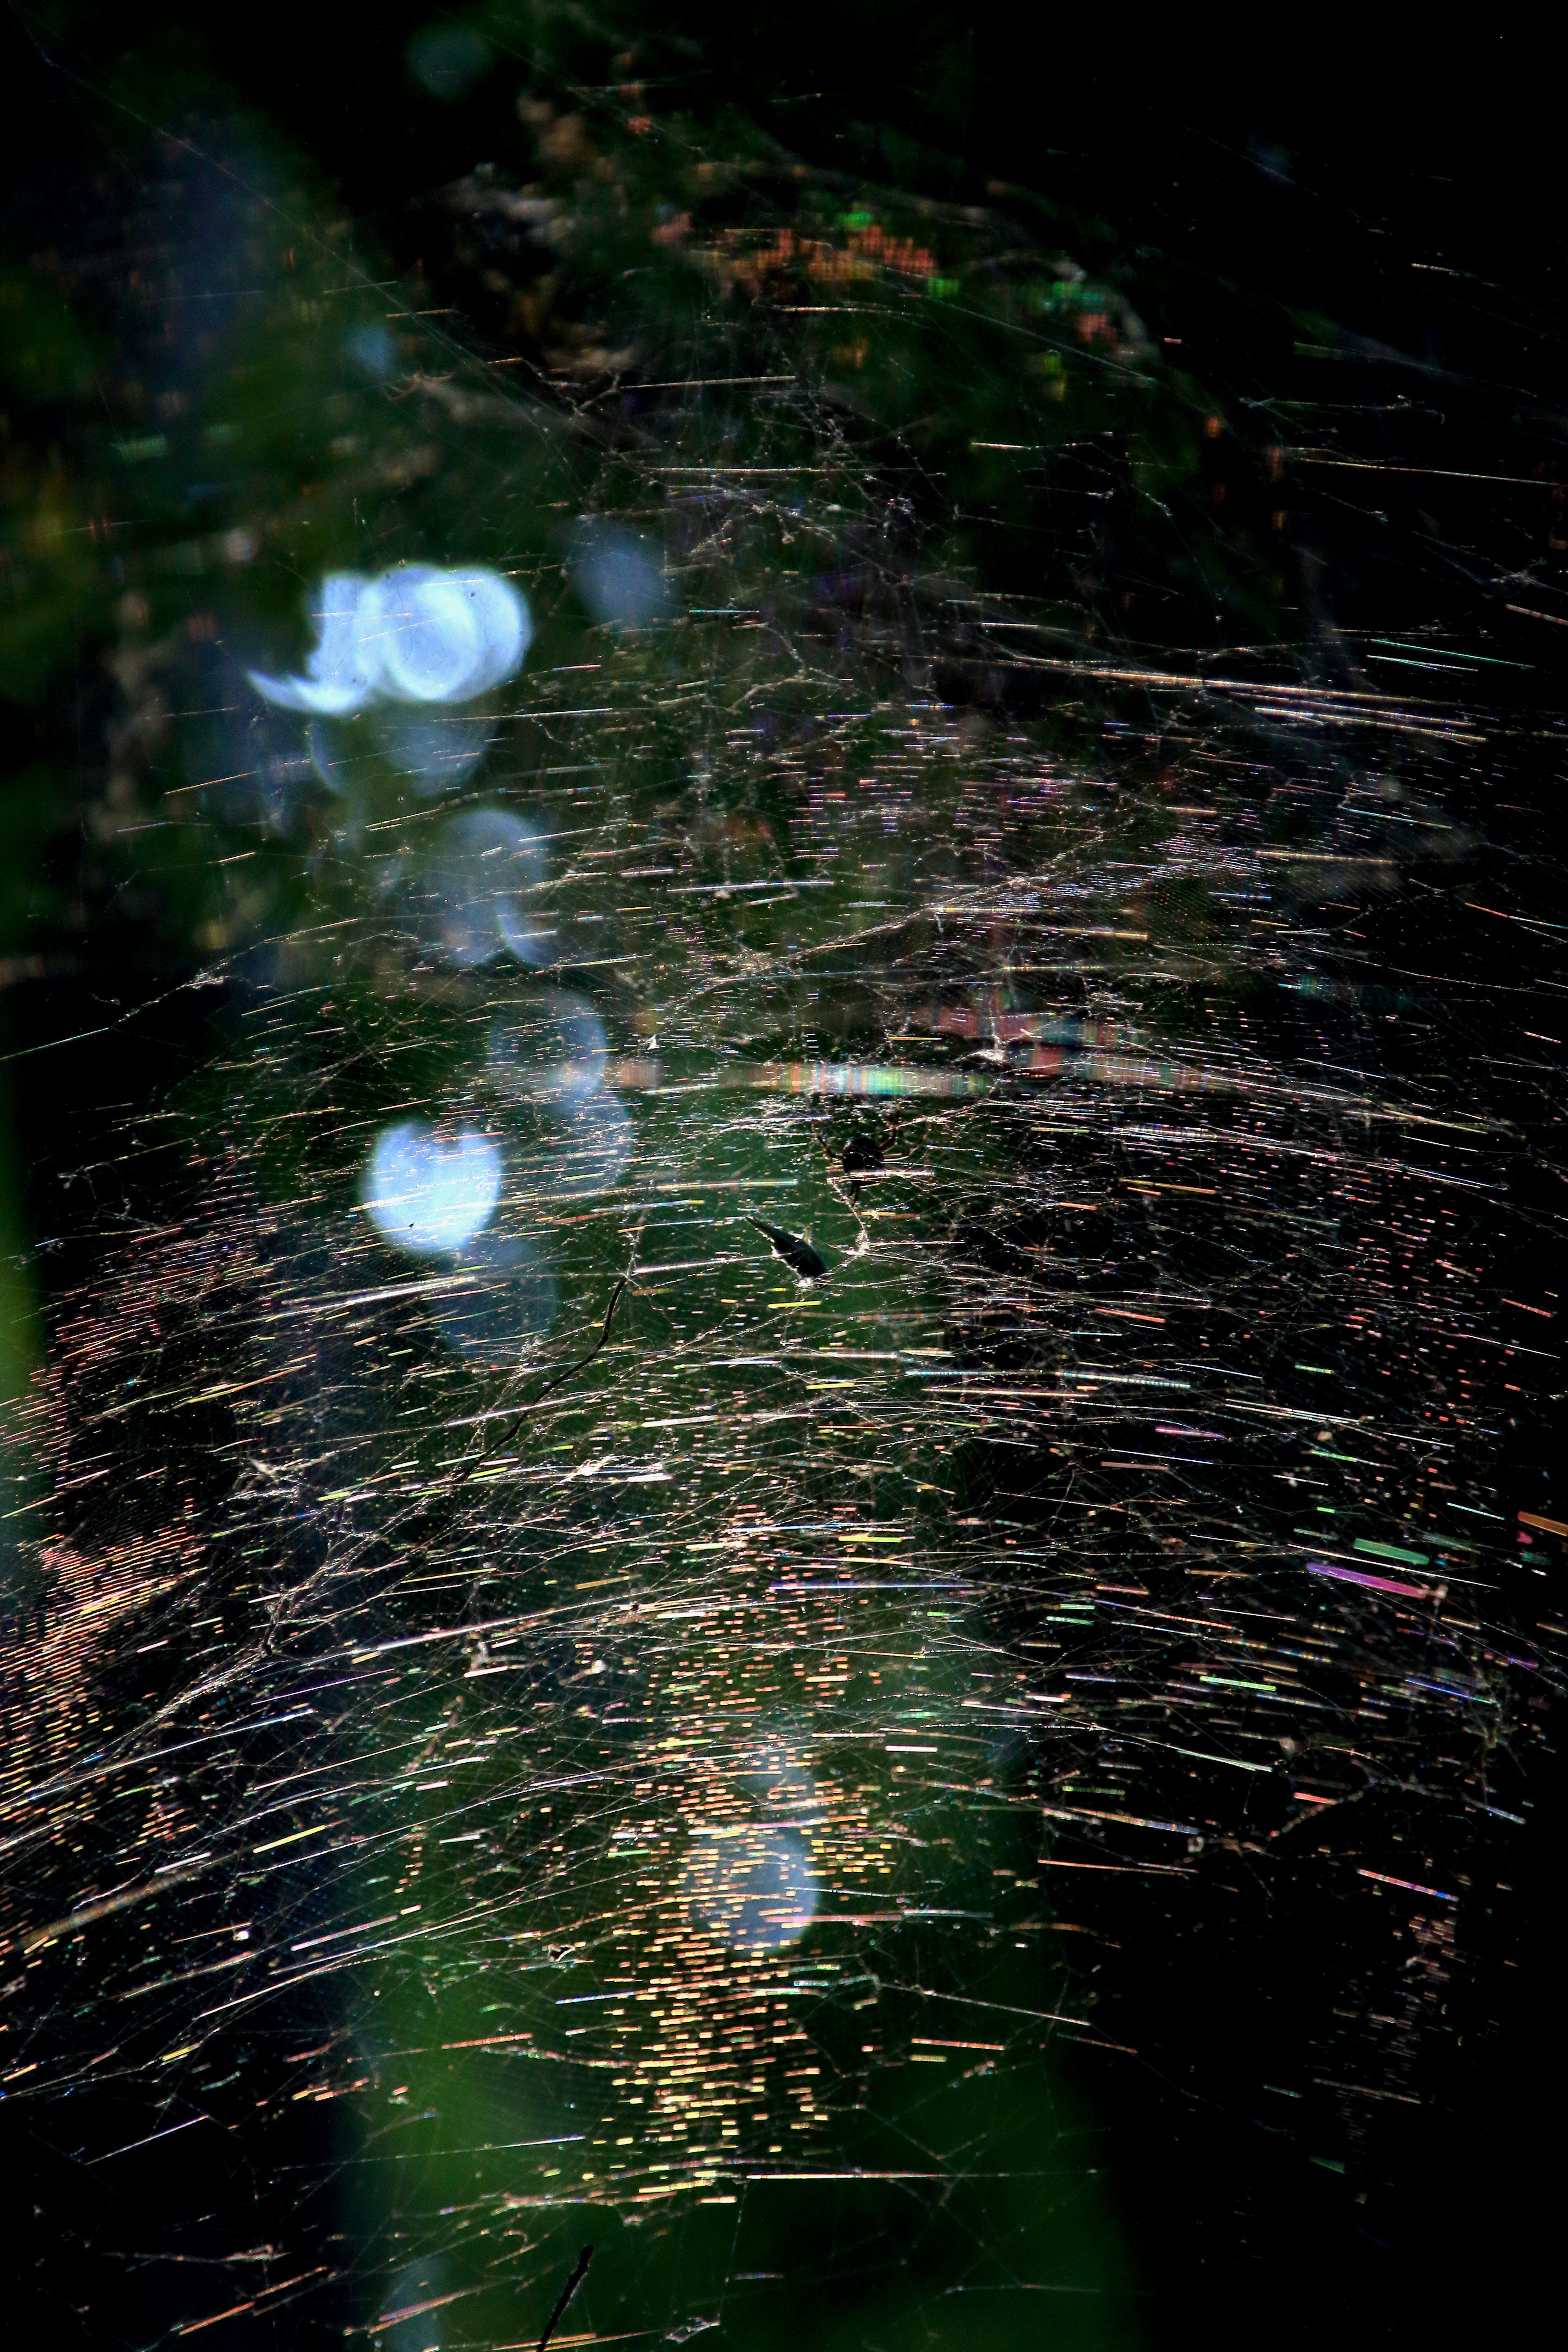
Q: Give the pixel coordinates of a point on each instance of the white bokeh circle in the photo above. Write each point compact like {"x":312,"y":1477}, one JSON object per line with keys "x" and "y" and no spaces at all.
{"x":428,"y":1196}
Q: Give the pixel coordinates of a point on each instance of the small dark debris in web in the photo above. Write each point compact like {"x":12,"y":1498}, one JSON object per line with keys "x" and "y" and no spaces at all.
{"x":794,"y":1248}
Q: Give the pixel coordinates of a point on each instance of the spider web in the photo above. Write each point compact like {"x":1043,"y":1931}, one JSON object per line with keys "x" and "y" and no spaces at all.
{"x":500,"y":1762}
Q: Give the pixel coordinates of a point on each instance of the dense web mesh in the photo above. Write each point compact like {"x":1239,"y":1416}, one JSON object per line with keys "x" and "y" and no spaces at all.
{"x":816,"y":1357}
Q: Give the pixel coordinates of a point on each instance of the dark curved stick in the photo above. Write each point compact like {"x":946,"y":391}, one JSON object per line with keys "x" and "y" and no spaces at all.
{"x":566,"y":2296}
{"x":548,"y":1389}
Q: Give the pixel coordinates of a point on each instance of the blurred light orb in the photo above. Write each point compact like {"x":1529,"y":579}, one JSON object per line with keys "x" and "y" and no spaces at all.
{"x":339,"y":761}
{"x":444,"y":637}
{"x":449,"y":58}
{"x":776,"y":1770}
{"x":529,"y":940}
{"x":435,"y":754}
{"x":548,"y":1048}
{"x":480,"y":862}
{"x":619,"y":577}
{"x":752,"y":1889}
{"x":340,"y":674}
{"x":373,"y":351}
{"x":429,"y":1197}
{"x":572,"y":1148}
{"x":596,"y":1142}
{"x":415,"y":634}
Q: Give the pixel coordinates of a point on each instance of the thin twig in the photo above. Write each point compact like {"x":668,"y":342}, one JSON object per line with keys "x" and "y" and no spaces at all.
{"x":549,"y":1387}
{"x":566,"y":2296}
